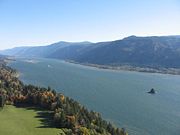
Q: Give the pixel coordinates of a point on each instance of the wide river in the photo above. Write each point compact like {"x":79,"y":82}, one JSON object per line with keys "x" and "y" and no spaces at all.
{"x":120,"y":96}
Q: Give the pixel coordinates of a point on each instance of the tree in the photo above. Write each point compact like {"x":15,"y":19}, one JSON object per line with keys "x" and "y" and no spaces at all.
{"x":123,"y":132}
{"x":2,"y":101}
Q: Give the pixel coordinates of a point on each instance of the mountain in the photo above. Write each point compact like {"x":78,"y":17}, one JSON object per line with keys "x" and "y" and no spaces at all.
{"x":40,"y":51}
{"x":2,"y":56}
{"x":136,"y":51}
{"x":154,"y":52}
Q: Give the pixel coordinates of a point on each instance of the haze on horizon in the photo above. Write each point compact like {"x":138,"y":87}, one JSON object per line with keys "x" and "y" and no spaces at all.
{"x":44,"y":22}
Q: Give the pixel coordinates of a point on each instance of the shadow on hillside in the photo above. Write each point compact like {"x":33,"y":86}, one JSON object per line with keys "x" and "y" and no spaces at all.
{"x":44,"y":116}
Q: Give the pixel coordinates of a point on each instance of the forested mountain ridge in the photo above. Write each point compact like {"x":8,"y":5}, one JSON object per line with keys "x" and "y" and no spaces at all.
{"x":138,"y":51}
{"x":153,"y":52}
{"x":66,"y":114}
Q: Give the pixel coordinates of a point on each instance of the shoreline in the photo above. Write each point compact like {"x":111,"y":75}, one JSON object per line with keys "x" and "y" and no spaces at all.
{"x":170,"y":71}
{"x":160,"y":70}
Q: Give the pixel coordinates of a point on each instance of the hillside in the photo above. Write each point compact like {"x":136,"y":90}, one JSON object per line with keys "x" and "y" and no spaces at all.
{"x":29,"y":121}
{"x":151,"y":52}
{"x":136,"y":51}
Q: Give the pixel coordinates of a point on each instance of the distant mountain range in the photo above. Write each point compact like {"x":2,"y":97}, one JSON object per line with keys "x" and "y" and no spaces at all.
{"x":153,"y":52}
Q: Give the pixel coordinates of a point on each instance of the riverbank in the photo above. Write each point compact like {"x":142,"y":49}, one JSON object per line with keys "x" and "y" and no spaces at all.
{"x":66,"y":113}
{"x":172,"y":71}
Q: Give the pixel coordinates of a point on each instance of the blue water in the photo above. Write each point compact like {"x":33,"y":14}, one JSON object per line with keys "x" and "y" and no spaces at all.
{"x":120,"y":96}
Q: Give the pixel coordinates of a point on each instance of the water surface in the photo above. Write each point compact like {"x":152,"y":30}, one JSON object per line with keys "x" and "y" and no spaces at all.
{"x":120,"y":96}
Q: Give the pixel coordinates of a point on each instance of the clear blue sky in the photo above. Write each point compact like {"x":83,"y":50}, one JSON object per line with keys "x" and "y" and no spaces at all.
{"x":41,"y":22}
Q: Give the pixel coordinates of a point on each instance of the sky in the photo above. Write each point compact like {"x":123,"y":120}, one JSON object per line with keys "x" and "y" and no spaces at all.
{"x":42,"y":22}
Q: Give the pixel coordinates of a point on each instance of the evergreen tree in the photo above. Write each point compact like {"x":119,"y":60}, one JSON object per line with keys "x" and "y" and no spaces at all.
{"x":2,"y":101}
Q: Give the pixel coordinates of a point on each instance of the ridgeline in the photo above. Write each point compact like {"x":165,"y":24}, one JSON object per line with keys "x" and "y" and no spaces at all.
{"x":144,"y":54}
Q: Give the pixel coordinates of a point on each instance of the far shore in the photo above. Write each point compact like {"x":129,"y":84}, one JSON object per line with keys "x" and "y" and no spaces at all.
{"x":172,"y":71}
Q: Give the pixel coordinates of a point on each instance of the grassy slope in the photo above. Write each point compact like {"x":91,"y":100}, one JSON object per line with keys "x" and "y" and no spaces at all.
{"x":23,"y":121}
